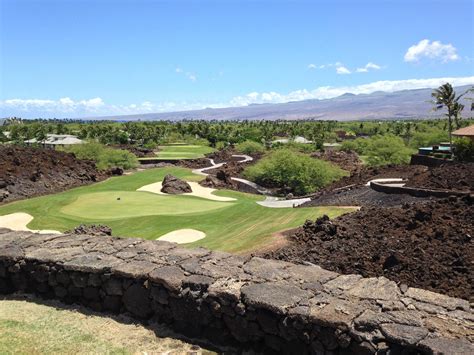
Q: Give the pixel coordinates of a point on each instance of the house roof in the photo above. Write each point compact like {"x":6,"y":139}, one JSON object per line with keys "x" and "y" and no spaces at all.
{"x":58,"y":139}
{"x":465,"y":132}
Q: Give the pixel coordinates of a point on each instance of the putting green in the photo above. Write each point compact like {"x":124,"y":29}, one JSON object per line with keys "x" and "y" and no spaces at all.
{"x":127,"y":204}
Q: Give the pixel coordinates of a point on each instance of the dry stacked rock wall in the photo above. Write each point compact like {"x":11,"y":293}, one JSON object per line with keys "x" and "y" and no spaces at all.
{"x":247,"y":302}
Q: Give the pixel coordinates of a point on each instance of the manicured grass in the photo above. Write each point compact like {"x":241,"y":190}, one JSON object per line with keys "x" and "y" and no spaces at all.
{"x":183,"y":151}
{"x":238,"y":226}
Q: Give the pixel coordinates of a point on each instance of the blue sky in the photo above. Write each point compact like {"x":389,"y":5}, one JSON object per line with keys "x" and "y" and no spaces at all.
{"x":87,"y":58}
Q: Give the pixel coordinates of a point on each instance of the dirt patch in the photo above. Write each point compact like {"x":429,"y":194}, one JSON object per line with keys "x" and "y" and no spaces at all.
{"x":429,"y":246}
{"x":458,"y":176}
{"x":345,"y":160}
{"x":27,"y":172}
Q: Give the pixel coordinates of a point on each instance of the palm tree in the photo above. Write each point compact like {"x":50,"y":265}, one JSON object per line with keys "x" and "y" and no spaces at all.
{"x":445,"y":97}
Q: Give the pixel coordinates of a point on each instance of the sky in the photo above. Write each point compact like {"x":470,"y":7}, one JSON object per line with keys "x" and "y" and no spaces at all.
{"x":68,"y":58}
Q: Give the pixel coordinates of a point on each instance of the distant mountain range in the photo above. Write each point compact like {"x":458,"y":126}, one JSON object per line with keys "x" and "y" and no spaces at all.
{"x":406,"y":104}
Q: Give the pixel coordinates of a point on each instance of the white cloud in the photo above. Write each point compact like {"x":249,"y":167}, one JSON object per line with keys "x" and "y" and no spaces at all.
{"x":189,"y":75}
{"x":367,"y":67}
{"x":324,"y":66}
{"x":342,"y":70}
{"x":67,"y":107}
{"x":432,"y":50}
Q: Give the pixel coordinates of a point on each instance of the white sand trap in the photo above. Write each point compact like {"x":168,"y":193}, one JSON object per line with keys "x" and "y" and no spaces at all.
{"x":183,"y":236}
{"x":18,"y":222}
{"x":198,"y":191}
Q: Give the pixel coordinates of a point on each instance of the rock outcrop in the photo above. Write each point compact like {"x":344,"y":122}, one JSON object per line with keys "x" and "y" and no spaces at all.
{"x":173,"y":185}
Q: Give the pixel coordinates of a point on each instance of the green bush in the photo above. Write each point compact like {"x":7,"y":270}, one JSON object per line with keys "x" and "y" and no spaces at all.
{"x":359,"y":145}
{"x":288,"y":169}
{"x":387,"y":149}
{"x":221,"y":145}
{"x":250,"y":147}
{"x":464,"y":150}
{"x":104,"y":157}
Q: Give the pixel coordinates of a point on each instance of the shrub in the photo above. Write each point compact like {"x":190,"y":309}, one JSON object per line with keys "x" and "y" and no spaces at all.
{"x":464,"y":150}
{"x":288,"y":169}
{"x":104,"y":157}
{"x":250,"y":147}
{"x":220,"y":145}
{"x":359,"y":145}
{"x":388,"y":149}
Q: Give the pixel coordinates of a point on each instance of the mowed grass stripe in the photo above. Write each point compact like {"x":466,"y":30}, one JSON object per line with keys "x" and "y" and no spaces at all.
{"x":183,"y":151}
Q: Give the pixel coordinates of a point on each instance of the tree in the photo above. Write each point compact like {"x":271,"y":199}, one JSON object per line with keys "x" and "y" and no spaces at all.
{"x":445,"y":97}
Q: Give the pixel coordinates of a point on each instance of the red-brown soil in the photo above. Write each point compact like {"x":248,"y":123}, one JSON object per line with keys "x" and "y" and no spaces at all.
{"x":429,"y":246}
{"x":27,"y":172}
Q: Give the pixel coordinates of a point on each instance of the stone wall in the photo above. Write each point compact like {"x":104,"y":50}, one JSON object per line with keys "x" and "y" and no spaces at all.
{"x":415,"y":191}
{"x":247,"y":302}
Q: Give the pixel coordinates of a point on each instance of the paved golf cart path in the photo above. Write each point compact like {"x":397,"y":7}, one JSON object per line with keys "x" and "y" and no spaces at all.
{"x":270,"y":201}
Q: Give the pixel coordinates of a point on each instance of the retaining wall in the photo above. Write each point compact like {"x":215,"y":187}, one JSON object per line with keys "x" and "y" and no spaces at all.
{"x":248,"y":302}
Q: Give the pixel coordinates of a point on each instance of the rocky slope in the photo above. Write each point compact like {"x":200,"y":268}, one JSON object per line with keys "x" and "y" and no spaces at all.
{"x":27,"y":172}
{"x":421,"y":245}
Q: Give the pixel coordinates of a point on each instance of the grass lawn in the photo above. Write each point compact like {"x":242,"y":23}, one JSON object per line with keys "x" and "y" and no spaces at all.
{"x":238,"y":226}
{"x":183,"y":151}
{"x":53,"y":328}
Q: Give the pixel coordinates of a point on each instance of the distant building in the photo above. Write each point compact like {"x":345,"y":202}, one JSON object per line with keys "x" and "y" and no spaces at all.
{"x":56,"y":140}
{"x":297,"y":139}
{"x":467,"y":132}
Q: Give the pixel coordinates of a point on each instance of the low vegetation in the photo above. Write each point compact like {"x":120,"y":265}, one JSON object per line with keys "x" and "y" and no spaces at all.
{"x":250,"y":147}
{"x":104,"y":157}
{"x":296,"y":172}
{"x":380,"y":150}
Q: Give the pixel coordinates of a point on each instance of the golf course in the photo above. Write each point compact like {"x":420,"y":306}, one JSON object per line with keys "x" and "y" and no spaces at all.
{"x":237,"y":225}
{"x":183,"y":151}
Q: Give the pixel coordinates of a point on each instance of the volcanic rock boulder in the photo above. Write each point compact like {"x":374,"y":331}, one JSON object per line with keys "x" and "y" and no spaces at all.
{"x":93,"y":229}
{"x":172,"y":185}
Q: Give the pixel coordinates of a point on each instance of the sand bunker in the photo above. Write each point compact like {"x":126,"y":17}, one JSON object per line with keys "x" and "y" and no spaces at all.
{"x":183,"y":236}
{"x":198,"y":191}
{"x":18,"y":222}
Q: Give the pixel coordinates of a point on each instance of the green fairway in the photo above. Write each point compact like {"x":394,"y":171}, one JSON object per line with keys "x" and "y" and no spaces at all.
{"x":183,"y":151}
{"x":238,"y":226}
